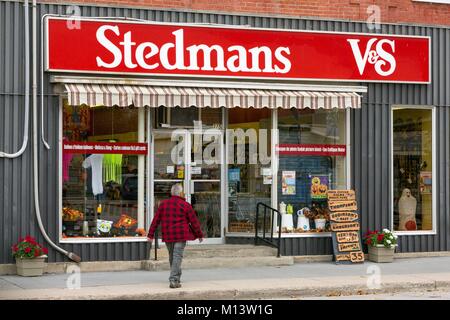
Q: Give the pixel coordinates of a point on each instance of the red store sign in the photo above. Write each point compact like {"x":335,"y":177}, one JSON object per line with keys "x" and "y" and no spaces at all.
{"x":138,"y":48}
{"x":105,"y":147}
{"x":312,"y":149}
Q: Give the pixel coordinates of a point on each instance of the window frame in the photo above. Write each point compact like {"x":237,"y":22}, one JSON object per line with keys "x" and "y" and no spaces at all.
{"x":275,"y":167}
{"x":433,"y":231}
{"x":348,"y":177}
{"x":60,"y":187}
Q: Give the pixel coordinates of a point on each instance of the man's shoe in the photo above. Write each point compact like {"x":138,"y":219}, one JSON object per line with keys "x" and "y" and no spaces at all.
{"x":174,"y":285}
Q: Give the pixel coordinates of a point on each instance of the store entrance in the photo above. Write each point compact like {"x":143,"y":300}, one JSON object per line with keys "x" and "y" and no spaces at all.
{"x":179,"y":157}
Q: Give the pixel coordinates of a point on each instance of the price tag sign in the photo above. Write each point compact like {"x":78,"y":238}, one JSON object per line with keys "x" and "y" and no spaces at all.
{"x":349,"y":205}
{"x":351,"y":236}
{"x":341,"y":195}
{"x":352,"y":246}
{"x":357,"y":256}
{"x":343,"y":216}
{"x":347,"y":226}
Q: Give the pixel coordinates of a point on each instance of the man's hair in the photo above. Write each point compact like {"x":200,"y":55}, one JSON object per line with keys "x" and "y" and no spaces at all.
{"x":177,"y":189}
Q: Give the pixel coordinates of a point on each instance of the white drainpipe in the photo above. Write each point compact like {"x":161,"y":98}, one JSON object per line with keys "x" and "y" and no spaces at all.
{"x":70,"y":255}
{"x":27,"y":89}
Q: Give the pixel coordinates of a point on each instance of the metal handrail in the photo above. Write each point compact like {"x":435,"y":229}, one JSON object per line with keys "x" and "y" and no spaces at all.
{"x":263,"y":238}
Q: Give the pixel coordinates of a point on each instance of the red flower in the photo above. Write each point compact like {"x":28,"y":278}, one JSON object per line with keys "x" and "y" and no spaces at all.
{"x":27,"y":250}
{"x":369,"y":241}
{"x":380,"y":237}
{"x":37,"y":252}
{"x":30,"y":240}
{"x":45,"y":250}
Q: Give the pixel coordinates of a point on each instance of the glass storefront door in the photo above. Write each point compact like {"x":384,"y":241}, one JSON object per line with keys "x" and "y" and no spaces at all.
{"x":166,"y":171}
{"x":200,"y":177}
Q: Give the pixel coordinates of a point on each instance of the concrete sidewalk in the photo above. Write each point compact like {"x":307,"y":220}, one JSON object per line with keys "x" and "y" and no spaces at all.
{"x":296,"y":281}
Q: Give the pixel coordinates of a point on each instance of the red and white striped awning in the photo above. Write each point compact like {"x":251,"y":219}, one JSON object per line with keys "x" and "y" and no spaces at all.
{"x":184,"y":97}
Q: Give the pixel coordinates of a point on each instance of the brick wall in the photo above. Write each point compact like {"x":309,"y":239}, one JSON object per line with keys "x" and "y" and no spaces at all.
{"x":392,"y":11}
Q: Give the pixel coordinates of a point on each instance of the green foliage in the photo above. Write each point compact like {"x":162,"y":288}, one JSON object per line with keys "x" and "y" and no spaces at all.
{"x":28,"y":248}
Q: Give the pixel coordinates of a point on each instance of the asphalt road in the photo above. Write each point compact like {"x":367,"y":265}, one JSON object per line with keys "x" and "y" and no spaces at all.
{"x":427,"y":295}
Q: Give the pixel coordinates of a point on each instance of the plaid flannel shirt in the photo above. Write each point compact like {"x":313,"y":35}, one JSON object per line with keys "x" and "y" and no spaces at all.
{"x":178,"y":221}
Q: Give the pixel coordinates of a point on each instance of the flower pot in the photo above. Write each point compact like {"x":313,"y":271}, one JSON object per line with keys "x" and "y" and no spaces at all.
{"x":381,"y":254}
{"x":287,"y":221}
{"x":320,"y":223}
{"x":30,"y":267}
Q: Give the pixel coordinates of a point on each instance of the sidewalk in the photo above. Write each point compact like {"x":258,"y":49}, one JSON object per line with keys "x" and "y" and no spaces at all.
{"x":297,"y":281}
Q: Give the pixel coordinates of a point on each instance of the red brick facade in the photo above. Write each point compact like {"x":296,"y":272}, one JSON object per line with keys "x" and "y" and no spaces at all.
{"x":391,"y":11}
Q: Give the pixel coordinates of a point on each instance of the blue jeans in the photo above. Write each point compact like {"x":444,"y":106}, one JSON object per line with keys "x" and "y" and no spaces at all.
{"x":176,"y":250}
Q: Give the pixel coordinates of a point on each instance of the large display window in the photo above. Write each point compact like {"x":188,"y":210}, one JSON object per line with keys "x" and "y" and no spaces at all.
{"x":249,"y":162}
{"x":103,"y":172}
{"x":413,"y":169}
{"x":312,"y":155}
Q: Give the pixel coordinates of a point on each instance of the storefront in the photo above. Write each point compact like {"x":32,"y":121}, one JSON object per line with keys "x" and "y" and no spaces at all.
{"x":238,"y":115}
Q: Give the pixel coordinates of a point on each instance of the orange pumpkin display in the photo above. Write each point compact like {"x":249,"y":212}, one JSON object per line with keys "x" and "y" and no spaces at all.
{"x":125,"y":221}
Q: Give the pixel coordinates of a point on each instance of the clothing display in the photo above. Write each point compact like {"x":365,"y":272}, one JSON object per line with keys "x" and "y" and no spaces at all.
{"x":95,"y":162}
{"x":112,"y":168}
{"x":67,"y":158}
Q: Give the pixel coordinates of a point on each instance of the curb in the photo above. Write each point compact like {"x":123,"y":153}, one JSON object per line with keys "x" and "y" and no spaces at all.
{"x":250,"y":293}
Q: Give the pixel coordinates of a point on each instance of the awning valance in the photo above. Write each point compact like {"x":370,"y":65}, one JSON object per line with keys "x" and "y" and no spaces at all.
{"x":155,"y":96}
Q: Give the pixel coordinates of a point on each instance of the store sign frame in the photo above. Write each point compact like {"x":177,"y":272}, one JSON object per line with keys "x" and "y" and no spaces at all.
{"x":137,"y":148}
{"x":287,"y":149}
{"x":106,"y":46}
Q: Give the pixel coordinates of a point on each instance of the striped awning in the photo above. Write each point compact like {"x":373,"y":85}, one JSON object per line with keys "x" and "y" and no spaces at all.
{"x":184,"y":97}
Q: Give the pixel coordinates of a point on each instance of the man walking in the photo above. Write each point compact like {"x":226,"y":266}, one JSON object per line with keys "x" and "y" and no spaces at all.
{"x":179,"y":223}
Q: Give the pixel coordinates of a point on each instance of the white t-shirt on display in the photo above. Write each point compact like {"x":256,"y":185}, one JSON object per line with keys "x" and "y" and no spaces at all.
{"x":95,"y":162}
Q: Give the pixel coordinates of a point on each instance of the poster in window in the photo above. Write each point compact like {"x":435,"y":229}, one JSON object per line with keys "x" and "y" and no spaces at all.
{"x":319,"y":187}
{"x":234,"y":174}
{"x":426,"y":181}
{"x":288,"y":183}
{"x":180,"y":172}
{"x":267,"y":179}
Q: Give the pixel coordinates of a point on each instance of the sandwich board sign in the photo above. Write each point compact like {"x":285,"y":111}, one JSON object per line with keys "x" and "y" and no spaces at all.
{"x":345,"y":227}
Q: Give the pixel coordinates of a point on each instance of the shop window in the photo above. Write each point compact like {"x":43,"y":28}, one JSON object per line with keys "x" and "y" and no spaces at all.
{"x":313,"y":161}
{"x":103,"y":194}
{"x":247,"y":159}
{"x":412,"y":169}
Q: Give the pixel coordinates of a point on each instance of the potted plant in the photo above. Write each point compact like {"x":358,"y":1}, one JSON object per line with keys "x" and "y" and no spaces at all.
{"x":381,"y":245}
{"x":320,"y":221}
{"x":30,"y":257}
{"x":320,"y":216}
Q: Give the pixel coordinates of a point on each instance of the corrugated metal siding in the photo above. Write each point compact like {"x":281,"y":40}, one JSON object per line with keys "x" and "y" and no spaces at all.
{"x":370,"y":134}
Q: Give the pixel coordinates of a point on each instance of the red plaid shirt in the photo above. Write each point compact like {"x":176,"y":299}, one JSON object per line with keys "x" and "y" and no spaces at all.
{"x":178,"y":221}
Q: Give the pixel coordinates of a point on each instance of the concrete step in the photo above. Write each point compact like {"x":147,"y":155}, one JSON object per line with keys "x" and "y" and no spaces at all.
{"x":222,"y":250}
{"x":219,"y":262}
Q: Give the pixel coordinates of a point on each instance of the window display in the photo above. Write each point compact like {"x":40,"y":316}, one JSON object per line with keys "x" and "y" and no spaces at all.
{"x":248,"y":181}
{"x":103,"y":172}
{"x":312,"y":160}
{"x":413,"y":167}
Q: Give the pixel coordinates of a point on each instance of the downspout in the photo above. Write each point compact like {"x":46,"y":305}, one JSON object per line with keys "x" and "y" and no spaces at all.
{"x":27,"y":89}
{"x":42,"y":86}
{"x":72,"y":256}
